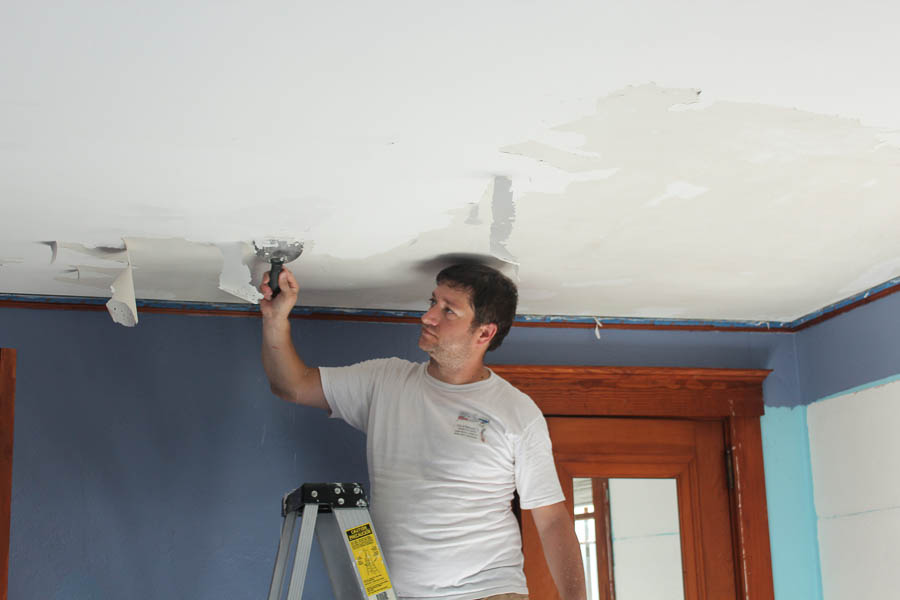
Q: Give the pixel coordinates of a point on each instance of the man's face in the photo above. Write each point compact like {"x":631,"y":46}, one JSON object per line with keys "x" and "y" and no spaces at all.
{"x":447,"y":332}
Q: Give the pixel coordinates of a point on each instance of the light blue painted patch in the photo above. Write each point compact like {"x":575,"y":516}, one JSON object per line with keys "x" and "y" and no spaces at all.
{"x":793,"y":527}
{"x":865,"y":386}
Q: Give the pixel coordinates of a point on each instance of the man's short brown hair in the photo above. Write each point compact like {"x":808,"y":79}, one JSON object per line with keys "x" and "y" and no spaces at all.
{"x":492,"y":295}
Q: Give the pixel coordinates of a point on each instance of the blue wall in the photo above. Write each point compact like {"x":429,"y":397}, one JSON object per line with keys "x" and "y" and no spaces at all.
{"x":150,"y":462}
{"x":850,"y":350}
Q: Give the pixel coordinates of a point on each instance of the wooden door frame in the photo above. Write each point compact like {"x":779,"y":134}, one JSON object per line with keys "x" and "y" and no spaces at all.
{"x":732,"y":396}
{"x":7,"y":412}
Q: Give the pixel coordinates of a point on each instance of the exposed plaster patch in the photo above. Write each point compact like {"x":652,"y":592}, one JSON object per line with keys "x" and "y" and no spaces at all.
{"x":571,"y":160}
{"x":889,"y":138}
{"x":87,"y":275}
{"x":473,"y":218}
{"x":680,"y":190}
{"x":545,"y":178}
{"x":556,"y":137}
{"x":100,"y":252}
{"x":162,"y":268}
{"x":733,"y":189}
{"x":54,"y":250}
{"x":695,"y":104}
{"x":503,"y":210}
{"x":235,"y":277}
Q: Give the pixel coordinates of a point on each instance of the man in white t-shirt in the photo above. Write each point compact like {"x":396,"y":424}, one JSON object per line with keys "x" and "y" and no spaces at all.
{"x":448,"y":443}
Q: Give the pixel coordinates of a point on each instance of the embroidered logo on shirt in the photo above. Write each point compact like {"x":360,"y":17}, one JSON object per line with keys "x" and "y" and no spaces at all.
{"x":470,"y":426}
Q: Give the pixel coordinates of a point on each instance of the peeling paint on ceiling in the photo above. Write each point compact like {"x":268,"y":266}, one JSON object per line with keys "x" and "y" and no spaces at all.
{"x":388,"y":148}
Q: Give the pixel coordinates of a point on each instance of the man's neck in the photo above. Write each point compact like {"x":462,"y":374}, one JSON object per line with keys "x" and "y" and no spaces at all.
{"x":468,"y":373}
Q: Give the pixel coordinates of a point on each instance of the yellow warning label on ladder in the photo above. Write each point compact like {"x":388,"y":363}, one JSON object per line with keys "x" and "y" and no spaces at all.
{"x":369,"y":562}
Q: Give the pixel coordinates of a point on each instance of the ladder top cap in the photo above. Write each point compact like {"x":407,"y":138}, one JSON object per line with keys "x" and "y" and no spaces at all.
{"x":328,"y":496}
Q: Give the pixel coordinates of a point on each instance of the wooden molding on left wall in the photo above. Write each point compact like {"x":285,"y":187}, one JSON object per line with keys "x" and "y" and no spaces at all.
{"x":7,"y":413}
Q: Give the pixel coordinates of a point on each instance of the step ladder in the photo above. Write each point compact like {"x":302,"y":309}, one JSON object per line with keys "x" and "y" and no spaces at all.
{"x":338,"y":513}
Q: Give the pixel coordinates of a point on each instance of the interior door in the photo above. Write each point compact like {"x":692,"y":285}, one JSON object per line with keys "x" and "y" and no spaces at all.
{"x":621,"y":463}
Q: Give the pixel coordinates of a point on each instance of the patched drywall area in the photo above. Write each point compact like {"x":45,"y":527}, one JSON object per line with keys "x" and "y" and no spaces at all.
{"x":727,"y":202}
{"x":855,"y":454}
{"x":520,"y":144}
{"x":655,"y":205}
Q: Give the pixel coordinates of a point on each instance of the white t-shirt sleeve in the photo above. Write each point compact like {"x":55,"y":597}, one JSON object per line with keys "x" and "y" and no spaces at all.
{"x":535,"y":471}
{"x":349,"y":390}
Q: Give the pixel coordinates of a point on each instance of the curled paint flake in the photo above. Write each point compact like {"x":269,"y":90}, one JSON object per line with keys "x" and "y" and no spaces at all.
{"x":121,"y":306}
{"x":597,"y":327}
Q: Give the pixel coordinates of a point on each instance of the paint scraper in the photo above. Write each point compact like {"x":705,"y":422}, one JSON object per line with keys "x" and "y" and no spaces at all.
{"x":277,"y":252}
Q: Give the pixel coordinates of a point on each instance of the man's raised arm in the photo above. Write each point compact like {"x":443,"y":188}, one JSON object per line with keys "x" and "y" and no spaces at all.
{"x":289,"y":377}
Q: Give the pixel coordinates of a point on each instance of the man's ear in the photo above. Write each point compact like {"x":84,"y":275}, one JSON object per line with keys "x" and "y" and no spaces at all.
{"x":486,"y":333}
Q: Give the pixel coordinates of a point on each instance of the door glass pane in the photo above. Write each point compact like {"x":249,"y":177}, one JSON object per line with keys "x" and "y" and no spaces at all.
{"x":586,"y":530}
{"x":638,"y":520}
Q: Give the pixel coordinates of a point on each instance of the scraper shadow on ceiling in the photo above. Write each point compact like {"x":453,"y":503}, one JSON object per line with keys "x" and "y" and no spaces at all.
{"x":433,"y":266}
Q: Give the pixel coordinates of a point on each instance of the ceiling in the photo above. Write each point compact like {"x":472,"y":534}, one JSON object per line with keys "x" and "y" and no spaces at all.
{"x":716,"y":161}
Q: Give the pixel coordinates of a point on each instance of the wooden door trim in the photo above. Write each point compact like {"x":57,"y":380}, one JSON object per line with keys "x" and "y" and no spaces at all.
{"x":7,"y":414}
{"x":640,"y":391}
{"x":732,"y":396}
{"x":753,"y":555}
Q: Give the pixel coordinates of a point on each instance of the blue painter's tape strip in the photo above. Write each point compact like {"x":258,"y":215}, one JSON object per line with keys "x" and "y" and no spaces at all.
{"x":774,"y":326}
{"x":323,"y":310}
{"x":645,"y":322}
{"x":891,"y":283}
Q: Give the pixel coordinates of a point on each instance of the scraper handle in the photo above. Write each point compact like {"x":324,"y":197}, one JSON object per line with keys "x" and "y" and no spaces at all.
{"x":273,"y":278}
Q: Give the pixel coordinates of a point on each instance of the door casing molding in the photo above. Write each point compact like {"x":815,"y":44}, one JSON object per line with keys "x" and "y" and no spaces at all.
{"x":732,"y":396}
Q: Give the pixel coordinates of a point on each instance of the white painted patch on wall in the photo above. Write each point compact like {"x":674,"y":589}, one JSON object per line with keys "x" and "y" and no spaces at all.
{"x":855,"y":456}
{"x":701,"y":103}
